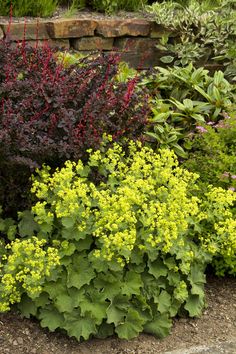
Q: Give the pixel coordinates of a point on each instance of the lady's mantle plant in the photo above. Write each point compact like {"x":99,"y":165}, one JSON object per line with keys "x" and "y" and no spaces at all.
{"x":132,"y":241}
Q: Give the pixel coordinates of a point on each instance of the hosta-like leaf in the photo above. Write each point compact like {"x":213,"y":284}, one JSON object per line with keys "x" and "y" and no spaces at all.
{"x":51,"y":318}
{"x":160,"y":326}
{"x":132,"y":325}
{"x":167,"y":59}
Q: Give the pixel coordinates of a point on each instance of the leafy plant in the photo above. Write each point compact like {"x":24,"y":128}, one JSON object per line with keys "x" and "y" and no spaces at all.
{"x":50,"y":113}
{"x":213,"y":154}
{"x":127,"y":263}
{"x":111,"y":6}
{"x":132,"y":244}
{"x":183,"y":99}
{"x":205,"y":32}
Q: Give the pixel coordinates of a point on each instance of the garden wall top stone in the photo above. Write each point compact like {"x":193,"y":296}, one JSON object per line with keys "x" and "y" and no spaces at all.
{"x":29,"y":31}
{"x":119,"y":28}
{"x":71,"y":28}
{"x":81,"y":27}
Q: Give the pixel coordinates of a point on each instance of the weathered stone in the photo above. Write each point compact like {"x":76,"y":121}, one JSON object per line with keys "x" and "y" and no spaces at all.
{"x":53,"y":43}
{"x":119,"y":28}
{"x":141,"y":61}
{"x":92,"y":43}
{"x":27,"y":31}
{"x":71,"y":28}
{"x":1,"y":33}
{"x":158,"y":31}
{"x":135,"y":44}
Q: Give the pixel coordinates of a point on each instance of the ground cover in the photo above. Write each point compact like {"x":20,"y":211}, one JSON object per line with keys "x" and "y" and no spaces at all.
{"x":216,"y":326}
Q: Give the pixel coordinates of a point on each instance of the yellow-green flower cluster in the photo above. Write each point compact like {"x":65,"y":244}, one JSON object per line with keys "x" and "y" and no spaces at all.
{"x":219,"y":218}
{"x":25,"y":269}
{"x":143,"y":201}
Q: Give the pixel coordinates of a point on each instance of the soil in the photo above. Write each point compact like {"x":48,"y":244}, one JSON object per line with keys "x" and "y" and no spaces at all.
{"x":217,"y":325}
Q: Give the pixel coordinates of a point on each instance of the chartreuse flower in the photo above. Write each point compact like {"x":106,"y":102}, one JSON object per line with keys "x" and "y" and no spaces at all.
{"x":24,"y":269}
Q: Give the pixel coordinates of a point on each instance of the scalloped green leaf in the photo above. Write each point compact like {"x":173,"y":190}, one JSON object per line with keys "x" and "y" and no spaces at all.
{"x":27,"y":225}
{"x":117,"y":310}
{"x":160,"y":326}
{"x":79,"y":327}
{"x":64,"y":303}
{"x":51,"y":318}
{"x":157,"y":268}
{"x":194,"y":305}
{"x":132,"y":283}
{"x":27,"y":307}
{"x":80,"y":272}
{"x":132,"y":325}
{"x":164,"y":302}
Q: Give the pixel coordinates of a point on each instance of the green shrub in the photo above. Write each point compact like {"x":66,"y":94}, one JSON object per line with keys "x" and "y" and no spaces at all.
{"x":184,"y":98}
{"x":21,"y":8}
{"x":212,"y":154}
{"x":206,"y":32}
{"x":131,"y":241}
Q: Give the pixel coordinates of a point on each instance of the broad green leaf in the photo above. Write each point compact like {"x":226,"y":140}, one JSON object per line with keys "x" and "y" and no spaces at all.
{"x":64,"y":303}
{"x":164,"y":302}
{"x":95,"y":305}
{"x":54,"y":289}
{"x":105,"y":330}
{"x":27,"y":225}
{"x":79,"y":327}
{"x":160,"y":326}
{"x":170,"y":262}
{"x":51,"y":318}
{"x":175,"y":305}
{"x":197,"y":275}
{"x":132,"y":283}
{"x":27,"y":307}
{"x":197,"y":290}
{"x":42,"y":300}
{"x":194,"y":305}
{"x":108,"y":285}
{"x":173,"y":278}
{"x":157,"y":268}
{"x":68,"y":222}
{"x":117,"y":309}
{"x":132,"y":325}
{"x":80,"y":272}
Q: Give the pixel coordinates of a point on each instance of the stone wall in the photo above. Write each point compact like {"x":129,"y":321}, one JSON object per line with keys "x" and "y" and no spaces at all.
{"x":134,"y":39}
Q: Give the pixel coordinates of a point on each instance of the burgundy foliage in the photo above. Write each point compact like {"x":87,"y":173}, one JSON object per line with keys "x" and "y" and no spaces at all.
{"x":49,"y":113}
